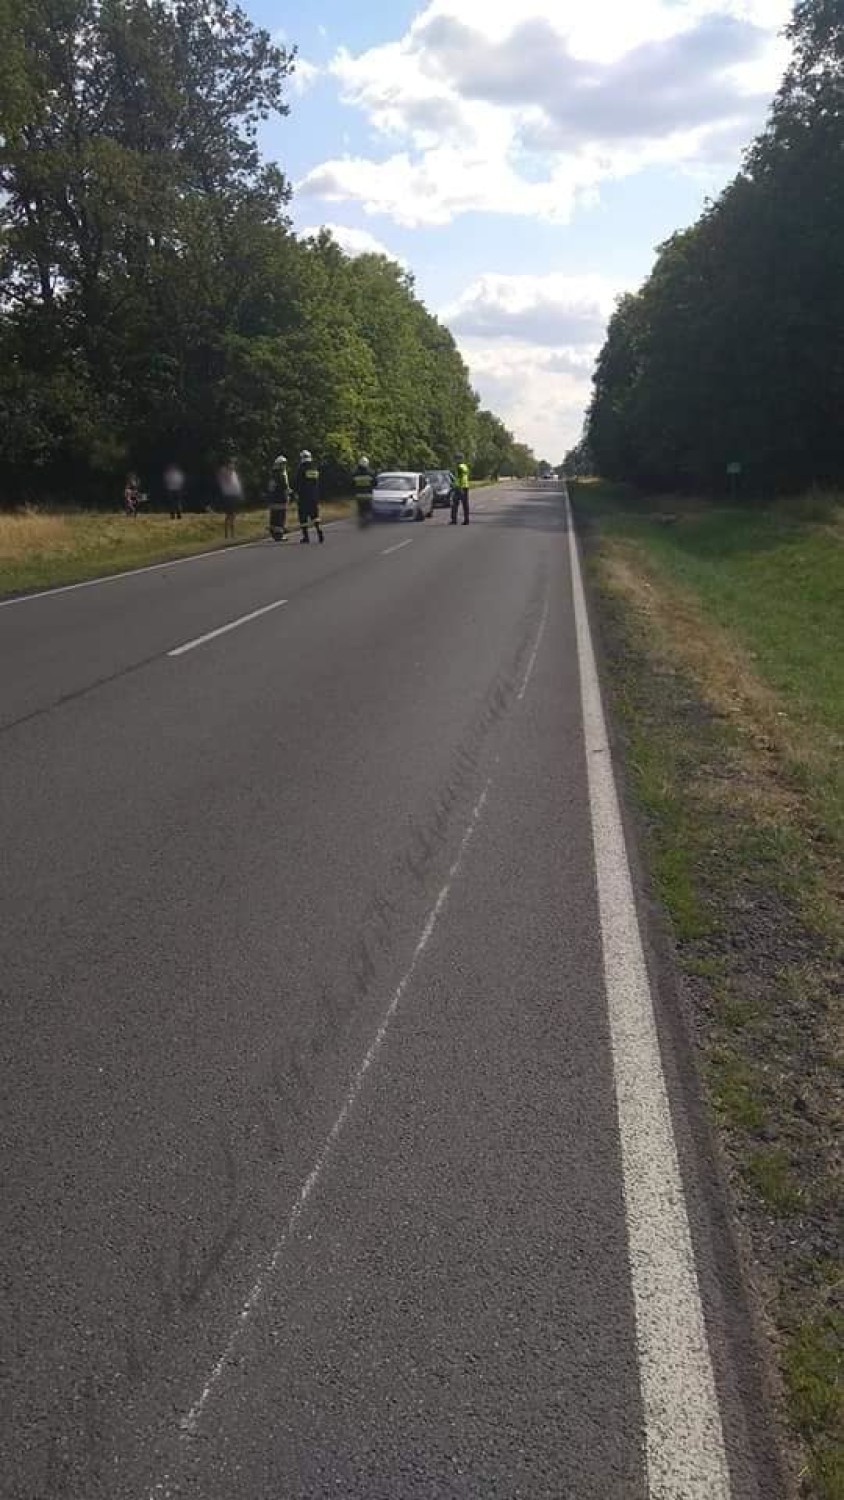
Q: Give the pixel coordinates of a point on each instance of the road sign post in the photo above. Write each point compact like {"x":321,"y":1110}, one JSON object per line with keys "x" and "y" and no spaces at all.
{"x":734,"y":470}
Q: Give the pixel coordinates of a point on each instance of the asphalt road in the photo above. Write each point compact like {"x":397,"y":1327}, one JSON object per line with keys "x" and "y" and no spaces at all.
{"x":318,"y":1175}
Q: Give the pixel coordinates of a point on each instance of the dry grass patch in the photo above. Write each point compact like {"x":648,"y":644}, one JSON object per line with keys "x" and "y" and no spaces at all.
{"x":778,"y":758}
{"x":723,"y":638}
{"x":40,"y":548}
{"x":31,"y":531}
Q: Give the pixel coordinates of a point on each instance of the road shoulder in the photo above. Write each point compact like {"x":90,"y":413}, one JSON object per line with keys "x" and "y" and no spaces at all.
{"x":747,"y":959}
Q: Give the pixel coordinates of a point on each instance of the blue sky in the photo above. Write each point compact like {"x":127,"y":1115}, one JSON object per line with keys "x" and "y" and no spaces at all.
{"x":522,"y":157}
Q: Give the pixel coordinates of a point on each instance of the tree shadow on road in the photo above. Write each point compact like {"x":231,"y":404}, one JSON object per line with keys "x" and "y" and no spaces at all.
{"x":533,"y":511}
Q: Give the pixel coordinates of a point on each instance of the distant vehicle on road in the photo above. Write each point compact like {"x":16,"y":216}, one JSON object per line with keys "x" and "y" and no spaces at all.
{"x":402,"y":495}
{"x":442,"y":484}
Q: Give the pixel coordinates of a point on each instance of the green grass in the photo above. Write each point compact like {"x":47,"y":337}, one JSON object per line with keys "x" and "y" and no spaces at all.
{"x":770,"y":1174}
{"x":815,"y":1380}
{"x":773,"y":577}
{"x":723,"y":634}
{"x":703,"y":966}
{"x":780,"y":587}
{"x":43,"y":549}
{"x":736,"y":1013}
{"x":775,"y":581}
{"x":736,"y":1093}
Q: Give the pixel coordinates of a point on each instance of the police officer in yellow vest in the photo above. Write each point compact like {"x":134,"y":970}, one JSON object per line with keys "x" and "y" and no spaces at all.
{"x":307,"y":494}
{"x":460,"y":493}
{"x":364,"y":481}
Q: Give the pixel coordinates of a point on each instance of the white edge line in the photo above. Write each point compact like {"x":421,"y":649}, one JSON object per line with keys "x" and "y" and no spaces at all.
{"x":173,"y":562}
{"x":534,"y":654}
{"x":190,"y":1422}
{"x":211,"y":635}
{"x":398,"y":547}
{"x":684,"y":1441}
{"x":90,"y":583}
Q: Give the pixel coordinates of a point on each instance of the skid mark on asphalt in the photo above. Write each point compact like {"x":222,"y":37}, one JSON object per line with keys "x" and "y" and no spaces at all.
{"x":183,"y":1278}
{"x":190,"y":1422}
{"x":533,"y":655}
{"x":429,"y":834}
{"x":282,"y":1094}
{"x":424,"y":850}
{"x":73,"y":697}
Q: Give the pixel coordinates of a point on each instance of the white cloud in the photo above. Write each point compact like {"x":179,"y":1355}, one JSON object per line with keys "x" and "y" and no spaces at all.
{"x":530,"y":343}
{"x":443,"y":182}
{"x":549,"y":310}
{"x":303,"y":75}
{"x":526,"y":106}
{"x":353,"y":241}
{"x":540,"y":402}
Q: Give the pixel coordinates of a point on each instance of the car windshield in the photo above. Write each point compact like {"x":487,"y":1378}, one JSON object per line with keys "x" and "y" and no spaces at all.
{"x":438,"y":476}
{"x":396,"y":482}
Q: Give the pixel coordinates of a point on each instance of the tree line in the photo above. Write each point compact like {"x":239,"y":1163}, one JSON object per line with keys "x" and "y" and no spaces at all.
{"x":732,"y":353}
{"x":155,"y":304}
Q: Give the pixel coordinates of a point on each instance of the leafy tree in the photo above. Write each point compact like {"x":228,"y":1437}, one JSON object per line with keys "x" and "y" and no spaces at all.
{"x":154,"y":303}
{"x":578,"y":462}
{"x":734,"y":347}
{"x":492,"y":446}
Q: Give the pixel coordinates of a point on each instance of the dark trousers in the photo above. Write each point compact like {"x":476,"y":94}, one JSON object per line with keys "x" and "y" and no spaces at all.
{"x":278,"y":515}
{"x":308,"y":506}
{"x":458,"y":498}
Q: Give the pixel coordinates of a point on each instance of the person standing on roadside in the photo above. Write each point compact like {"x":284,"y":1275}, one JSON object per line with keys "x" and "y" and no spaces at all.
{"x":131,"y":495}
{"x":279,"y":498}
{"x":307,"y":494}
{"x":174,"y":485}
{"x":231,"y":493}
{"x":364,"y":482}
{"x":460,"y":493}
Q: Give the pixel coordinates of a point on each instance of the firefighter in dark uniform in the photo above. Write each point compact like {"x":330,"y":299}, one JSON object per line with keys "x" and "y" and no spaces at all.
{"x":364,"y":480}
{"x":278,"y":493}
{"x":307,"y":495}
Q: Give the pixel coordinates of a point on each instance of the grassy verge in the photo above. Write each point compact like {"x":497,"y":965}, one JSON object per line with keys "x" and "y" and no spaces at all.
{"x":723,"y":629}
{"x":41,"y":549}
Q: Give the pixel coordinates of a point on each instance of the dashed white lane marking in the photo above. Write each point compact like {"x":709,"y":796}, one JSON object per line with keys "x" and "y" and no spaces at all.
{"x":211,"y":635}
{"x":397,"y":548}
{"x":684,"y":1440}
{"x":190,"y":1422}
{"x":533,"y":655}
